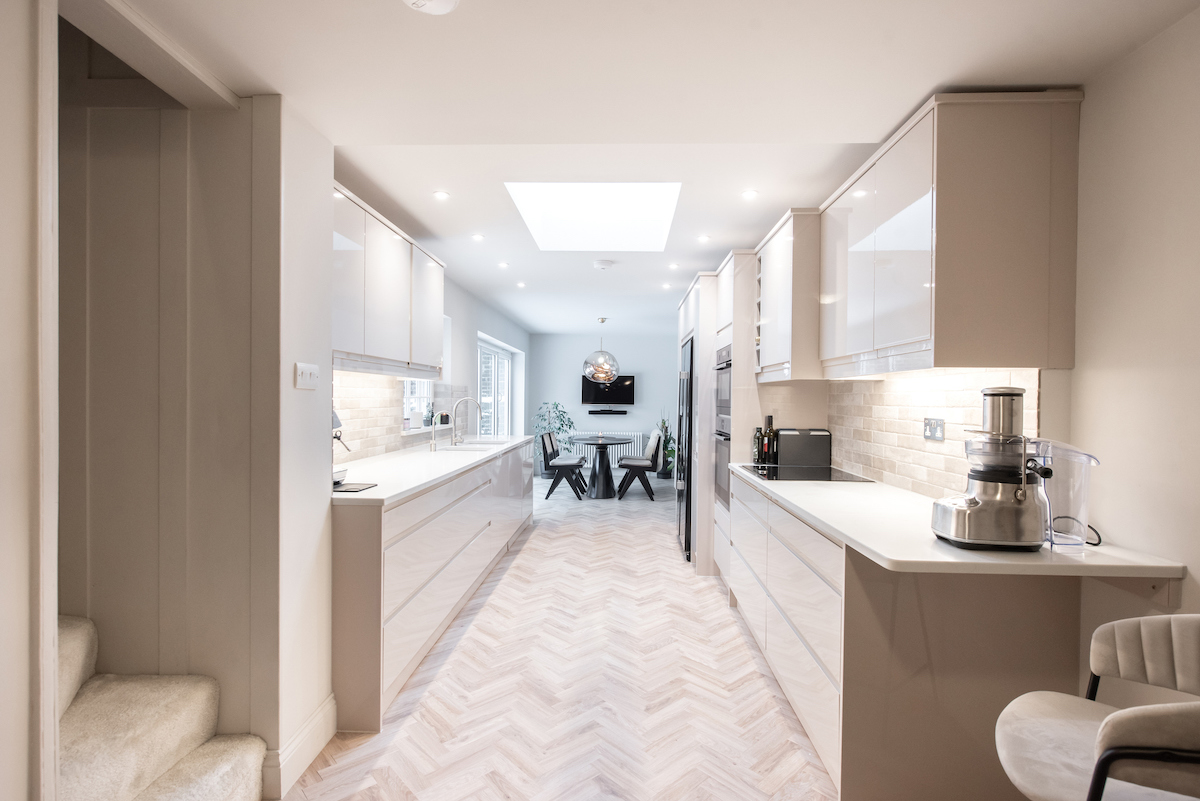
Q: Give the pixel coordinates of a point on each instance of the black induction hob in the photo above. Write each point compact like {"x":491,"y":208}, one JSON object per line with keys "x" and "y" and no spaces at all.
{"x":800,"y":473}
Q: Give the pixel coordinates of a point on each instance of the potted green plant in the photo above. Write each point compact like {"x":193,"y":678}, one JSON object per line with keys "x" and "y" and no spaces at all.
{"x":668,"y":445}
{"x":552,"y":418}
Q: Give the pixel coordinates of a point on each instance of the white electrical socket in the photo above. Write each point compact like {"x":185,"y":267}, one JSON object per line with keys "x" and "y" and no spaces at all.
{"x":307,"y":375}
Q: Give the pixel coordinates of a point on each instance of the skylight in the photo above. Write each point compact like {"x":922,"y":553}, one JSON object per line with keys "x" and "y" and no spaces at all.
{"x":597,"y":216}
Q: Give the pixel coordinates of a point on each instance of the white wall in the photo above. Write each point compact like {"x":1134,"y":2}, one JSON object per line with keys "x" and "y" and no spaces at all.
{"x":305,"y":520}
{"x":1137,"y":375}
{"x":470,"y":316}
{"x":556,"y":364}
{"x":18,"y":391}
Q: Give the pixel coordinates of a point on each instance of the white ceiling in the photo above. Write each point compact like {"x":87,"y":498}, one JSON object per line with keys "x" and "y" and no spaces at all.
{"x":721,"y":96}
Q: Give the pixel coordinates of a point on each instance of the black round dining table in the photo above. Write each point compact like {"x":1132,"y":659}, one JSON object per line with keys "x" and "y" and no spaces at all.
{"x":601,"y":483}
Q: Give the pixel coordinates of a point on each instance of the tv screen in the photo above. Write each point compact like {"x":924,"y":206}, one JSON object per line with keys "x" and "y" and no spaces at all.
{"x":619,"y":391}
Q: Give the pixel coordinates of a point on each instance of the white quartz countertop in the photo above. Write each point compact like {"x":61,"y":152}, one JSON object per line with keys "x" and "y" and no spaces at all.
{"x":401,"y":474}
{"x":891,"y":526}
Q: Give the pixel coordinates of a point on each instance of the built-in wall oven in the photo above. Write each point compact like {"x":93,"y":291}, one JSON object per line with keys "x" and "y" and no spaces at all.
{"x":724,"y":398}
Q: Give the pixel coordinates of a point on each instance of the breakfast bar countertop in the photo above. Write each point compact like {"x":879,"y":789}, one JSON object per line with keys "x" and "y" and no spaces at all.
{"x":404,"y":473}
{"x":891,"y":526}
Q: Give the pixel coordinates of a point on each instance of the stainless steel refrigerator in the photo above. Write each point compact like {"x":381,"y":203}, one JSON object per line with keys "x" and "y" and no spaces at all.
{"x":683,"y":453}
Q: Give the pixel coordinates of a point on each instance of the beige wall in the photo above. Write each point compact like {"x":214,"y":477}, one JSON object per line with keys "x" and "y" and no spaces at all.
{"x":1137,"y":376}
{"x":878,"y":426}
{"x":18,"y":391}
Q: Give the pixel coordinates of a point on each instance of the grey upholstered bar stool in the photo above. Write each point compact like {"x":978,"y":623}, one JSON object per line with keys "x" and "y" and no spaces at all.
{"x":1057,"y":747}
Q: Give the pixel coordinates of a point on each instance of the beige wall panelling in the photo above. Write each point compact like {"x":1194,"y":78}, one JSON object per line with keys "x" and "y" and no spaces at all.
{"x":28,"y":398}
{"x":1136,"y":318}
{"x":389,"y":284}
{"x":349,"y":274}
{"x":1004,"y":214}
{"x":929,"y":661}
{"x":428,"y":301}
{"x":790,"y":260}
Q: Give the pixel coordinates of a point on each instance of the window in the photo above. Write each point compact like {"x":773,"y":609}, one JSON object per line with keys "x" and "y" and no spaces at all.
{"x":495,"y":390}
{"x":418,"y":403}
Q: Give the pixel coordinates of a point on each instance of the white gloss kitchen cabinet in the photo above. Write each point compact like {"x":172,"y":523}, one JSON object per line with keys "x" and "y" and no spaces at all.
{"x":404,"y":566}
{"x":954,"y":246}
{"x":388,"y":295}
{"x":789,"y":281}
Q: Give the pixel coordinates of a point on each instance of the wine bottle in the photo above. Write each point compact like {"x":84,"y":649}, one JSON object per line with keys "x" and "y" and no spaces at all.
{"x":758,"y":445}
{"x":769,"y":452}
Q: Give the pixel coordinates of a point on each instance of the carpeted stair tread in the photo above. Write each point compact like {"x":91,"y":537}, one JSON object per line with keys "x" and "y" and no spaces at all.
{"x":77,"y":646}
{"x":226,"y":768}
{"x":123,"y":732}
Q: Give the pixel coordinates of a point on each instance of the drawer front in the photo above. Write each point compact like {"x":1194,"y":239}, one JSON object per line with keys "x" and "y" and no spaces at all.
{"x":400,"y":519}
{"x":405,"y":634}
{"x":754,"y":500}
{"x":751,"y":599}
{"x":409,"y":562}
{"x":721,"y":550}
{"x":749,"y":536}
{"x":813,"y":607}
{"x":826,"y":556}
{"x":816,"y":701}
{"x":721,"y":515}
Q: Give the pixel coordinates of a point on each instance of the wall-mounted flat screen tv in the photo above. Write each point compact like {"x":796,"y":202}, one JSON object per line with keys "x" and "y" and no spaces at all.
{"x":619,"y":391}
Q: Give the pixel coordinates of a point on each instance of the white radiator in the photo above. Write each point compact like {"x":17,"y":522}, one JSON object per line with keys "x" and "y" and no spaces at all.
{"x":615,"y":452}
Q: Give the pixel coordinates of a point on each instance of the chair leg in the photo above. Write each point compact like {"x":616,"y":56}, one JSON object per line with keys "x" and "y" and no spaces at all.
{"x":558,"y":476}
{"x":576,"y":482}
{"x":581,"y":480}
{"x":646,"y":483}
{"x":626,"y":480}
{"x":575,"y":489}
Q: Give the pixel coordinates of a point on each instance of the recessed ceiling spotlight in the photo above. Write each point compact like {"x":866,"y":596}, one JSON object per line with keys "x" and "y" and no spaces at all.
{"x":673,"y":266}
{"x":860,"y":193}
{"x":440,"y":195}
{"x":702,"y":239}
{"x":477,"y":237}
{"x":749,"y":194}
{"x":666,"y":286}
{"x":602,"y":264}
{"x":338,"y":195}
{"x":520,"y":285}
{"x":432,"y":6}
{"x":503,"y":265}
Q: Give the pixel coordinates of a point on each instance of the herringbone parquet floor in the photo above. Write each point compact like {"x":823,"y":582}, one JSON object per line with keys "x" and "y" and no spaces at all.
{"x":592,"y":664}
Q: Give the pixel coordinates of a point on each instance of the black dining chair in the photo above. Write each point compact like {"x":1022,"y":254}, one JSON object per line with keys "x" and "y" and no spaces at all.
{"x":568,"y":467}
{"x":636,"y":467}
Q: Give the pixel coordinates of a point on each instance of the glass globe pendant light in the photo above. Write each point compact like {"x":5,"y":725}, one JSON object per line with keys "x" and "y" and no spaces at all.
{"x":601,"y":366}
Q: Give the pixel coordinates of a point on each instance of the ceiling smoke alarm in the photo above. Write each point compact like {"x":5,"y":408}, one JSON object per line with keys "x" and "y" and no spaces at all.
{"x":602,"y":264}
{"x":433,"y":6}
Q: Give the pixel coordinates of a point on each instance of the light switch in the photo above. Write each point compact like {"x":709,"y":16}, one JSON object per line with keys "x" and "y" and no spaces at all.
{"x":307,"y":375}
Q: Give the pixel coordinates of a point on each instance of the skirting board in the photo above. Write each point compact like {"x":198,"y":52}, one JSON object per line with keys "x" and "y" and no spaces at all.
{"x":282,"y":768}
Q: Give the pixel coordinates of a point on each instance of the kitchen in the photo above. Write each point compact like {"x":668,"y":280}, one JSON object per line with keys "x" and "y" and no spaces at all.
{"x":998,"y":241}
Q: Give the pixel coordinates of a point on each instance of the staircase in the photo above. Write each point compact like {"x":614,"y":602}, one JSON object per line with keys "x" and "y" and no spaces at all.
{"x":144,"y":738}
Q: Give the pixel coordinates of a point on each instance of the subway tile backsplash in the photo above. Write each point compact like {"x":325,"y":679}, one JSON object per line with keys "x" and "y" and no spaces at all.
{"x":371,"y":408}
{"x":877,"y":426}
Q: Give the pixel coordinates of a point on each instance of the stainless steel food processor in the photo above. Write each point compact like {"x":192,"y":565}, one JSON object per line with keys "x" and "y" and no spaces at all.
{"x":1005,"y":505}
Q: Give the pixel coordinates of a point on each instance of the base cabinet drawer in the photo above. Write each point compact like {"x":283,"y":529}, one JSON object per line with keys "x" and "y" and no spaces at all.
{"x":813,"y":607}
{"x":754,"y":500}
{"x":721,"y":549}
{"x":407,"y":631}
{"x":749,"y":536}
{"x":751,"y":598}
{"x":826,"y":556}
{"x":814,"y":697}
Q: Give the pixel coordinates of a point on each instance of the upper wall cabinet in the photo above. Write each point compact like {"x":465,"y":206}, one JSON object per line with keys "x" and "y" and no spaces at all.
{"x":789,"y":275}
{"x":349,"y":274}
{"x":427,"y":318}
{"x":725,"y":294}
{"x":388,"y":296}
{"x":389,"y":293}
{"x":954,"y":246}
